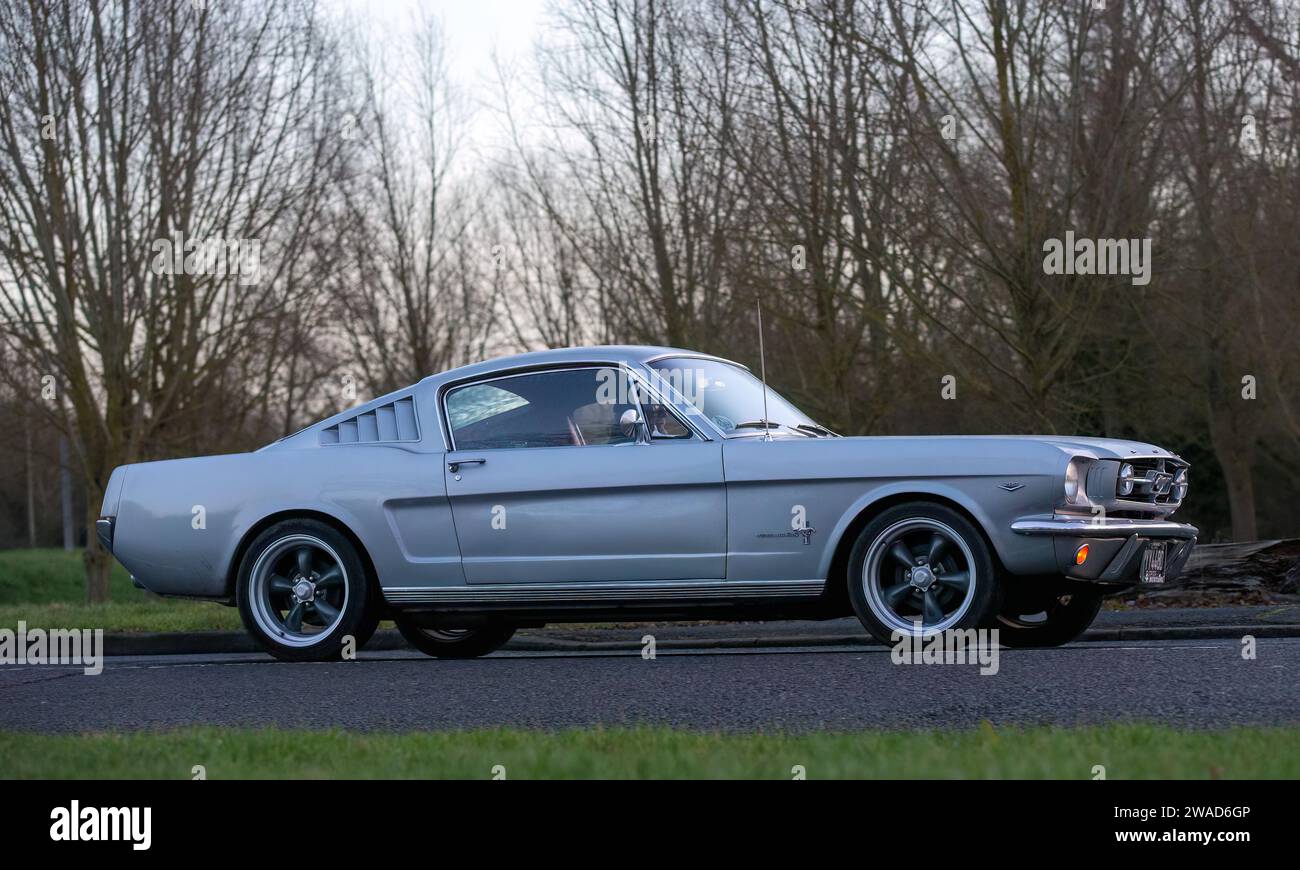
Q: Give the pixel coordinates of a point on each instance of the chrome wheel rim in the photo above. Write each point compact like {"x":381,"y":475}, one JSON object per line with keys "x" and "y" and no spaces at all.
{"x":298,"y":590}
{"x":1025,"y":620}
{"x":1037,"y":618}
{"x":919,"y":569}
{"x":447,"y":635}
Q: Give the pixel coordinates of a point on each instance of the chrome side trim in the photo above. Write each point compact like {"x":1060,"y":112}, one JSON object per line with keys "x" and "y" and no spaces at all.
{"x":1085,"y":527}
{"x":692,"y":355}
{"x":674,"y":590}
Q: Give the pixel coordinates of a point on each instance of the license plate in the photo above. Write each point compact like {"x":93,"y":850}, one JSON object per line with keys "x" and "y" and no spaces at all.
{"x":1153,"y":563}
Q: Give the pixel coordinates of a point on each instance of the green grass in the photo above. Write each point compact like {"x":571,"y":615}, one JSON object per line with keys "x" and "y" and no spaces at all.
{"x":46,"y":588}
{"x":45,"y":576}
{"x":116,"y":616}
{"x":1126,"y":751}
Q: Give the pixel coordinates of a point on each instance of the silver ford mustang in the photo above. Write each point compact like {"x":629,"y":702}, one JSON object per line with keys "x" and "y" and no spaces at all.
{"x":624,"y":483}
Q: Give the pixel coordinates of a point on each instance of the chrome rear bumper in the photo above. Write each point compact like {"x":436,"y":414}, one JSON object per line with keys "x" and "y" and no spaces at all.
{"x":104,"y":527}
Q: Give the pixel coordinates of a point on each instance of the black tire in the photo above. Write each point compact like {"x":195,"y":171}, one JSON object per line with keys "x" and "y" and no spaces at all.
{"x":884,"y":604}
{"x":1046,"y":611}
{"x":345,"y":606}
{"x":464,"y":643}
{"x":366,"y":630}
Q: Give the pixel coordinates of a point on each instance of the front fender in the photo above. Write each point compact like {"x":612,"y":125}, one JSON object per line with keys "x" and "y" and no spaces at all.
{"x":1017,"y":553}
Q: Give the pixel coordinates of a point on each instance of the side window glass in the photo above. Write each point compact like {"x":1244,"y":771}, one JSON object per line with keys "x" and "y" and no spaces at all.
{"x":479,"y":402}
{"x":661,"y":421}
{"x":567,"y":408}
{"x":664,"y":423}
{"x":677,"y":385}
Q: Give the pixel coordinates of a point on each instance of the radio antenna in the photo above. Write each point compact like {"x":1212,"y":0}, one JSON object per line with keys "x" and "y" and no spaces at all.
{"x":762,"y":368}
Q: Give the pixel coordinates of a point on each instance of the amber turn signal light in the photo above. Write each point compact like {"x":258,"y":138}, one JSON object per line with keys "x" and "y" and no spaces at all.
{"x":1081,"y":555}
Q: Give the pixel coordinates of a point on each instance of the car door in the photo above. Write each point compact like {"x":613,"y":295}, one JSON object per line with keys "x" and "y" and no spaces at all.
{"x":546,"y":487}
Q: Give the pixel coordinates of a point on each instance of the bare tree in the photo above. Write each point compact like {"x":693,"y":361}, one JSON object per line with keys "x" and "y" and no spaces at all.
{"x":636,"y":108}
{"x":417,"y":294}
{"x":161,"y":173}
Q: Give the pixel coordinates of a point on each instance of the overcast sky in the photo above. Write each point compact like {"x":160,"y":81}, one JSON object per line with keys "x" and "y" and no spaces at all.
{"x":473,"y":29}
{"x":473,"y":26}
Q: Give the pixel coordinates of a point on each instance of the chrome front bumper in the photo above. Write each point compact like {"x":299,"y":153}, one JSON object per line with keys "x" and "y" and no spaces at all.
{"x":1115,"y":546}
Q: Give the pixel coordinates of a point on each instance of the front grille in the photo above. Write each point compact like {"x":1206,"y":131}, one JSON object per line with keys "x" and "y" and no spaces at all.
{"x":1153,"y":480}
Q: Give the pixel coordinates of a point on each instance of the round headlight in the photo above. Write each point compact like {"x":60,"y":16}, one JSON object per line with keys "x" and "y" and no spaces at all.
{"x":1125,"y":479}
{"x":1180,"y":485}
{"x":1073,"y":476}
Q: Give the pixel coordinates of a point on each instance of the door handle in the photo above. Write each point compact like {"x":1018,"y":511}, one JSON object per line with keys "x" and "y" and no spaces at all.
{"x":454,"y":467}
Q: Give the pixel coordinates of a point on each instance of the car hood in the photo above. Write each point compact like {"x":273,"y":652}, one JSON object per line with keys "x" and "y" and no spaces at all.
{"x":1101,"y":448}
{"x":1013,"y":445}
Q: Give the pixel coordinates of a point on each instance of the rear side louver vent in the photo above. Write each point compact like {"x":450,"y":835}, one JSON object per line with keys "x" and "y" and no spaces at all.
{"x":392,"y":422}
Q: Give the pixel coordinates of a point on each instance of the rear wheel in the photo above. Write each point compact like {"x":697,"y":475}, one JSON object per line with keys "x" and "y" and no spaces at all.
{"x":1047,"y":611}
{"x":302,"y":591}
{"x":453,"y":643}
{"x":921,"y":567}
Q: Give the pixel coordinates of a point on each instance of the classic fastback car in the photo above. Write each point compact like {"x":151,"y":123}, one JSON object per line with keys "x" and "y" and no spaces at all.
{"x":624,"y":483}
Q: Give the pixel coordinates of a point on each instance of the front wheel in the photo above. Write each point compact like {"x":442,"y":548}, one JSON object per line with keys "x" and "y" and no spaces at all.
{"x":1046,"y":611}
{"x":921,"y":567}
{"x":453,"y":643}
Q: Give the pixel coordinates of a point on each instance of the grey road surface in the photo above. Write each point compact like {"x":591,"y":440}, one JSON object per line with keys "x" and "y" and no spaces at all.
{"x":1184,"y":683}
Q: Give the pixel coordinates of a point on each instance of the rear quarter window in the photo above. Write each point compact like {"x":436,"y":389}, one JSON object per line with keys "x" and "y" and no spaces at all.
{"x":479,"y":402}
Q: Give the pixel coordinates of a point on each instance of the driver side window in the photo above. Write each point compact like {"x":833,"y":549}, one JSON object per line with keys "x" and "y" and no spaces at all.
{"x":564,"y":408}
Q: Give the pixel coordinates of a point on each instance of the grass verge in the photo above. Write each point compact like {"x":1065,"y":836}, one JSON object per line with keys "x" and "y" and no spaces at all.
{"x":1126,"y":752}
{"x":118,"y":616}
{"x":46,"y":588}
{"x":43,"y":576}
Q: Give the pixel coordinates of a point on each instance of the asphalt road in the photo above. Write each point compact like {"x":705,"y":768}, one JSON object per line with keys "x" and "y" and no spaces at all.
{"x":1186,"y":683}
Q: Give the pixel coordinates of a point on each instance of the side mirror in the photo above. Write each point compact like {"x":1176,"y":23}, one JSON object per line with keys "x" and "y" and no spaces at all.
{"x":631,"y":423}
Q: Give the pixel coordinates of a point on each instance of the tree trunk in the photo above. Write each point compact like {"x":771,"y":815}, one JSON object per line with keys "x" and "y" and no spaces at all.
{"x":1235,"y":452}
{"x":31,"y":492}
{"x":98,"y":560}
{"x":1241,"y":498}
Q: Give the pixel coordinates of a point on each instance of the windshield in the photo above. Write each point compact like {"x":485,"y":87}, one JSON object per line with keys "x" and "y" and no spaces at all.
{"x":731,"y":397}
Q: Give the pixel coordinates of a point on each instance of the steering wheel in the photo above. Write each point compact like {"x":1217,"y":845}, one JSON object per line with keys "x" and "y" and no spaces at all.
{"x":726,"y":424}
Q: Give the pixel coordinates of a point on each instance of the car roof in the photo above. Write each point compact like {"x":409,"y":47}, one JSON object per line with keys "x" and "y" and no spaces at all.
{"x":608,"y":353}
{"x":611,"y":354}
